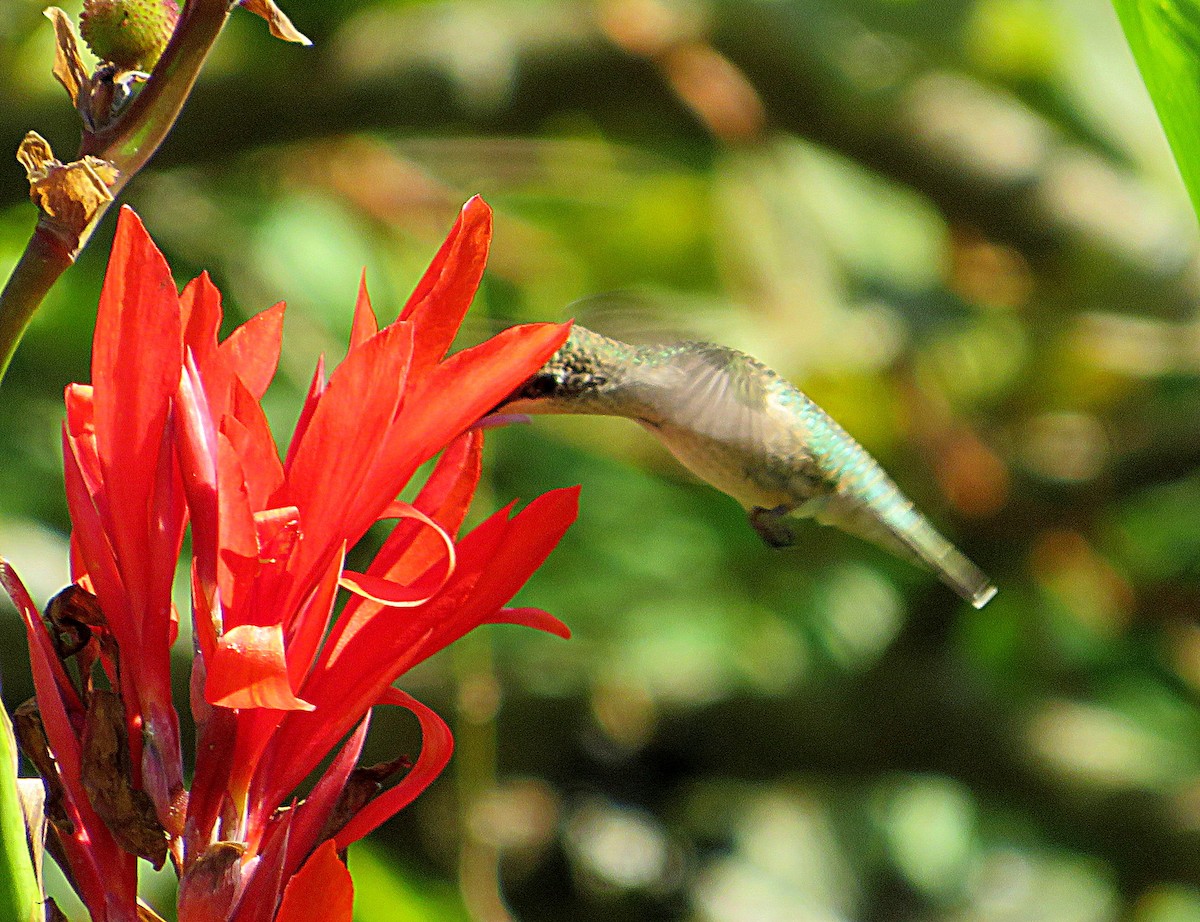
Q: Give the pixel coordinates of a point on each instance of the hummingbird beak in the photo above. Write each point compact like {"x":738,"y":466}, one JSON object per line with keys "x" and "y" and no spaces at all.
{"x":496,"y":420}
{"x":512,"y":398}
{"x":535,"y":395}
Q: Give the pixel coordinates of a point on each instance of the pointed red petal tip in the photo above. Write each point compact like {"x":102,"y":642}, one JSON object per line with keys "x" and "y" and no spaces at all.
{"x":365,"y":323}
{"x":476,"y":208}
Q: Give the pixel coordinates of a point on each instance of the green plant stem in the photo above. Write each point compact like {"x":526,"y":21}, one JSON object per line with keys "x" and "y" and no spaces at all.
{"x":130,"y":140}
{"x":46,"y":257}
{"x":127,"y":142}
{"x":20,"y":893}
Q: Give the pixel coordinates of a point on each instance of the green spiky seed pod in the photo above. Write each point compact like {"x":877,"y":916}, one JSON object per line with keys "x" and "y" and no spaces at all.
{"x":130,"y":34}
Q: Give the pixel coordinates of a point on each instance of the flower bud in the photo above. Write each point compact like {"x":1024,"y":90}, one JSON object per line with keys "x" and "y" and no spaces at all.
{"x":130,"y":34}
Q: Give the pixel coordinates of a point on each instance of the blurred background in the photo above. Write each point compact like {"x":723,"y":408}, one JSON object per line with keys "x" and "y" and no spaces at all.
{"x":954,"y":223}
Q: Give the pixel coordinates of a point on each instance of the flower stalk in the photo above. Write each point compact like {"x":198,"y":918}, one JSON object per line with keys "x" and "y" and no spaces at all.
{"x":123,"y":137}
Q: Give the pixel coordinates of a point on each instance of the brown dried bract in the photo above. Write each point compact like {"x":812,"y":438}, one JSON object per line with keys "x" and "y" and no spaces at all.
{"x":277,"y":20}
{"x":126,"y":811}
{"x":71,"y":616}
{"x":71,"y":195}
{"x":209,"y":886}
{"x":69,"y":69}
{"x":363,"y":785}
{"x":31,"y":734}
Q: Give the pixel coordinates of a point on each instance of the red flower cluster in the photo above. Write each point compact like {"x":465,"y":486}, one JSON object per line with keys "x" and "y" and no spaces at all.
{"x":171,"y":430}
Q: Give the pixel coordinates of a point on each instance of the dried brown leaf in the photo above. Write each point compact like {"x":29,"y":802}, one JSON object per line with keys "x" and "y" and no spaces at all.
{"x":363,"y":785}
{"x":31,"y":735}
{"x":72,"y":194}
{"x":70,"y":617}
{"x":69,"y":69}
{"x":209,"y":886}
{"x":277,"y":20}
{"x":127,"y":811}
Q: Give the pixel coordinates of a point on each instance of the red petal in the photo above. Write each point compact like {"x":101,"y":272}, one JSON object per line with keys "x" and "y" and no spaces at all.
{"x":252,"y":350}
{"x":311,"y":622}
{"x":249,"y":670}
{"x":446,"y":290}
{"x":452,"y":397}
{"x":456,"y":393}
{"x":355,"y":667}
{"x":322,"y":890}
{"x":198,"y":451}
{"x":365,"y":324}
{"x":534,"y":618}
{"x":250,"y":433}
{"x":531,"y":536}
{"x":314,"y":812}
{"x":410,"y":550}
{"x":448,"y":491}
{"x":493,"y":561}
{"x":325,"y":477}
{"x":200,"y":313}
{"x":90,"y":541}
{"x":393,"y":593}
{"x":437,"y":745}
{"x":316,"y":388}
{"x":137,"y":355}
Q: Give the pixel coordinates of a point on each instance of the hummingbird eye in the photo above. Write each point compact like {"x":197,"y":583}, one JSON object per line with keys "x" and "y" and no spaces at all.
{"x":542,"y":385}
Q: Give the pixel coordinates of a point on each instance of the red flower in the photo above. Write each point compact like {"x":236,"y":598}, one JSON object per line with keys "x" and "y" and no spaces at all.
{"x":172,"y":428}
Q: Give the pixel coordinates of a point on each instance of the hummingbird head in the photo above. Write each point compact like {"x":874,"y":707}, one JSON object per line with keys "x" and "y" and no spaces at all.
{"x":578,"y":378}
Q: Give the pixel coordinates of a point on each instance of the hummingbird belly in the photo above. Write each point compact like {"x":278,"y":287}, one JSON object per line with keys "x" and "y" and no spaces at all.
{"x":732,"y":467}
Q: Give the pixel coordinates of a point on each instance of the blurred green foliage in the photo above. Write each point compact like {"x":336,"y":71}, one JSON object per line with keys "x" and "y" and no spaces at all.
{"x":955,"y":223}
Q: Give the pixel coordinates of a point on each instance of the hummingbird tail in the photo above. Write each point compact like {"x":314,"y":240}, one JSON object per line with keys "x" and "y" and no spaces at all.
{"x":903,"y":530}
{"x":952,"y":566}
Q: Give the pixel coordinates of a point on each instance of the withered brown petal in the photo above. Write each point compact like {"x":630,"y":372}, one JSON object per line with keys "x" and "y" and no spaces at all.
{"x":71,"y":194}
{"x":69,"y":69}
{"x":78,"y":604}
{"x":277,"y":20}
{"x":209,"y":887}
{"x":31,"y":735}
{"x":71,"y":615}
{"x":361,"y":788}
{"x":126,"y":811}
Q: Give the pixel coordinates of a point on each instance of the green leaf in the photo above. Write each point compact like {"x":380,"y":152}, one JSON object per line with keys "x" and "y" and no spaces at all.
{"x":1165,"y":38}
{"x":20,"y":894}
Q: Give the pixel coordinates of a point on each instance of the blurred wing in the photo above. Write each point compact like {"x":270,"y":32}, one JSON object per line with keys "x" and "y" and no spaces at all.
{"x":645,"y":317}
{"x":720,"y":394}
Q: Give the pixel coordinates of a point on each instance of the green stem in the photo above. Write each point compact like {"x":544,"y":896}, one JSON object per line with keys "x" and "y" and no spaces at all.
{"x":46,"y":257}
{"x":127,"y":142}
{"x":20,"y":893}
{"x":130,"y":140}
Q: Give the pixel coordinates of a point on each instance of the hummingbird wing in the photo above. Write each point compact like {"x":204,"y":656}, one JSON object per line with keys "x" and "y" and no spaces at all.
{"x":713,"y":408}
{"x":719,"y":392}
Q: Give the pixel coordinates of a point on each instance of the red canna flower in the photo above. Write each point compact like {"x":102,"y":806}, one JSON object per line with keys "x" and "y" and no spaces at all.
{"x":171,"y":430}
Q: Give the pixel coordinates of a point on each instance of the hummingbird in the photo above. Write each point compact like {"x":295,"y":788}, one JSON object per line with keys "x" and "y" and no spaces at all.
{"x":745,"y":430}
